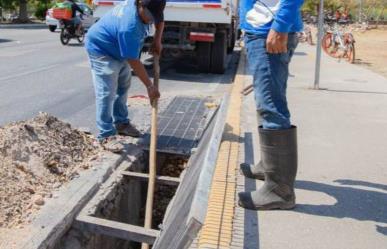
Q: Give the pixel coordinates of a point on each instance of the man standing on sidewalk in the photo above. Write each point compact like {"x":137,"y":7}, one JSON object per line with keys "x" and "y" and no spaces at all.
{"x":270,"y":36}
{"x":114,"y":45}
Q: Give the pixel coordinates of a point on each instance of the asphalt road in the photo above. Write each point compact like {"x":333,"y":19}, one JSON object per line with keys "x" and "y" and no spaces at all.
{"x":38,"y":74}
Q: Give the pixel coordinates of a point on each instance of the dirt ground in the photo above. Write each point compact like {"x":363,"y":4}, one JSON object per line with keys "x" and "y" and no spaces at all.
{"x":371,"y":50}
{"x":38,"y":156}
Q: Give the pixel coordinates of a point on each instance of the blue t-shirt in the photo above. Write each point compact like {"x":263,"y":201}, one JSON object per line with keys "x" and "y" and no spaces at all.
{"x":259,"y":16}
{"x":120,"y":33}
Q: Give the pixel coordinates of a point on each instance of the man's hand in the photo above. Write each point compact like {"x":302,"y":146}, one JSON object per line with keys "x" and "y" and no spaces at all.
{"x":156,"y":47}
{"x":139,"y":70}
{"x":276,"y":42}
{"x":153,"y":93}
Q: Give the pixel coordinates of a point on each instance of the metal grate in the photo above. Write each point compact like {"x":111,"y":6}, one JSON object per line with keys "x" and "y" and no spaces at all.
{"x":181,"y":125}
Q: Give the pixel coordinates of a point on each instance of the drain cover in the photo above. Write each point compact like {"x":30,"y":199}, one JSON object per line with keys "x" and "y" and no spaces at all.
{"x":182,"y":124}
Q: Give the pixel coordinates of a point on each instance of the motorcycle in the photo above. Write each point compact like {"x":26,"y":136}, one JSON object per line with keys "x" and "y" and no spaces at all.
{"x":69,"y":31}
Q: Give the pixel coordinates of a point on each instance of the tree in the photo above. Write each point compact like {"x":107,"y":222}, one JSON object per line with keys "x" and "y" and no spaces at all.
{"x":23,"y":14}
{"x":310,"y":6}
{"x":22,"y":7}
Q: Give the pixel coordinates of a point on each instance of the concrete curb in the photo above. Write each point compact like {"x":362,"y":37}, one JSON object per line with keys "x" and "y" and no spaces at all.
{"x":57,"y":216}
{"x":23,"y":26}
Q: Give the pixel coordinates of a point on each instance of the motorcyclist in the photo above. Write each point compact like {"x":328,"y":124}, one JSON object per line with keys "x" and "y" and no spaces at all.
{"x":74,"y":18}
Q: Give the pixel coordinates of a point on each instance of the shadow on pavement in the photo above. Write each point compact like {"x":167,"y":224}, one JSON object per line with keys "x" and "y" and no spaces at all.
{"x":382,"y":230}
{"x":350,"y":91}
{"x":75,"y":44}
{"x":251,"y":235}
{"x":5,"y":40}
{"x":362,"y":183}
{"x":361,"y":62}
{"x":300,"y":54}
{"x":185,"y":69}
{"x":355,"y":203}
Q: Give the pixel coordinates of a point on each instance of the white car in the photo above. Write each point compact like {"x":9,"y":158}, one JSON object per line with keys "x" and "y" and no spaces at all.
{"x":87,"y":21}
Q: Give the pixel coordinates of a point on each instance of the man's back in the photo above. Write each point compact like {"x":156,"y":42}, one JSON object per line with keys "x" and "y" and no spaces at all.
{"x":119,"y":33}
{"x":259,"y":16}
{"x":74,"y":8}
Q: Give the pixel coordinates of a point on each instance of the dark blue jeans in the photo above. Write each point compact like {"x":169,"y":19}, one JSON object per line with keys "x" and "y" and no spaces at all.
{"x":270,"y":76}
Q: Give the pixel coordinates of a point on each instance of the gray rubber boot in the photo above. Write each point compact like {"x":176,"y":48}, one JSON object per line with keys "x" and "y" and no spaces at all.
{"x":279,"y":161}
{"x":254,"y":171}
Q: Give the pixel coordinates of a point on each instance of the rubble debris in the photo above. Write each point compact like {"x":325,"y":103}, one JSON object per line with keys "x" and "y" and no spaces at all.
{"x":36,"y":157}
{"x":173,"y":166}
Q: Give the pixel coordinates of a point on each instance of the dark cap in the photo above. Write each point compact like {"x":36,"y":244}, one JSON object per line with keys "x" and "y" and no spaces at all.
{"x":156,"y":8}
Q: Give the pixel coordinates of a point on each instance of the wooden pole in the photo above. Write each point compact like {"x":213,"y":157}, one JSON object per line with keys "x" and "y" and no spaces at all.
{"x":152,"y":152}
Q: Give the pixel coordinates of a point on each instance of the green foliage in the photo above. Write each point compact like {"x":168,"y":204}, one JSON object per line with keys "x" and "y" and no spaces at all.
{"x":40,"y":11}
{"x":8,"y":4}
{"x":311,"y":6}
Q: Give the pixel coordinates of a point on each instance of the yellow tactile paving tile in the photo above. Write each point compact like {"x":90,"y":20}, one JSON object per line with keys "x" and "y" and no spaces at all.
{"x":218,"y":227}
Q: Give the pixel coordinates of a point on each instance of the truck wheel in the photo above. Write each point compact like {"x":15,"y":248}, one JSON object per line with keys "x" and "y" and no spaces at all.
{"x":203,"y":50}
{"x":219,"y":53}
{"x":233,"y":38}
{"x":230,"y":48}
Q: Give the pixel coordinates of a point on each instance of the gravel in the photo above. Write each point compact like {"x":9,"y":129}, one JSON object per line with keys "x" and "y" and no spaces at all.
{"x":173,"y":167}
{"x":38,"y":156}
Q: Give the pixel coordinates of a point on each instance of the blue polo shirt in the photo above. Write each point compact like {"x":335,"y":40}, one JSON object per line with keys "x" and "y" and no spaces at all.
{"x":259,"y":16}
{"x":119,"y":33}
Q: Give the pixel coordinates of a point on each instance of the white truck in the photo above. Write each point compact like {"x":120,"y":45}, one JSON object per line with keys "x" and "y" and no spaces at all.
{"x":207,"y":28}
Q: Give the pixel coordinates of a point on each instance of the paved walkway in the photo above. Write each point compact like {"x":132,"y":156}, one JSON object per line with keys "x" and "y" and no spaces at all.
{"x":342,"y":178}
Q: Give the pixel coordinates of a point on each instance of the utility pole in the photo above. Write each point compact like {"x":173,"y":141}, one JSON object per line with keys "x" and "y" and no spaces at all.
{"x":318,"y":49}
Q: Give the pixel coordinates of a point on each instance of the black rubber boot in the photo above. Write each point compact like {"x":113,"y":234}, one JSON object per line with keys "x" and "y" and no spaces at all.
{"x":254,"y":171}
{"x":279,"y":161}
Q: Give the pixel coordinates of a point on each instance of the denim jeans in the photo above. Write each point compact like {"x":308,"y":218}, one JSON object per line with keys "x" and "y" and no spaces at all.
{"x":270,"y":76}
{"x":111,"y":79}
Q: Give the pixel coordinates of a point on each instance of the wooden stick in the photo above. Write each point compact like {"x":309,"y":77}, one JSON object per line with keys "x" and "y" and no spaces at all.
{"x":152,"y":152}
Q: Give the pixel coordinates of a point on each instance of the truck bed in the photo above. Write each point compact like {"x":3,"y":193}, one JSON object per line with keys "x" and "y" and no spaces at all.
{"x":200,"y":11}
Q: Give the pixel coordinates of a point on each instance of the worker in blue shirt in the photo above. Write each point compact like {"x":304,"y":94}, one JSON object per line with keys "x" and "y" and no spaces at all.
{"x":270,"y":28}
{"x":114,"y":45}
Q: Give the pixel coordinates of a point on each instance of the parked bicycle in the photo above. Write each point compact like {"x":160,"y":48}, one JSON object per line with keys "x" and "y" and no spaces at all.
{"x":339,"y":44}
{"x":306,"y":35}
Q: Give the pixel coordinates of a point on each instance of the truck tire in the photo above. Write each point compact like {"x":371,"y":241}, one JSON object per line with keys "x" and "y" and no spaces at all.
{"x":203,"y":55}
{"x":219,"y":53}
{"x":230,"y":48}
{"x":233,"y":38}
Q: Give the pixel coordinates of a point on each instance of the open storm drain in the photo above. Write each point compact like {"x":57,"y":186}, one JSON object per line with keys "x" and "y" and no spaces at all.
{"x":114,"y":217}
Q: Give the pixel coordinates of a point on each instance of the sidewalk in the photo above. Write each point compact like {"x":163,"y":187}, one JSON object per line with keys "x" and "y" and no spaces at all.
{"x":342,"y":178}
{"x":24,"y":26}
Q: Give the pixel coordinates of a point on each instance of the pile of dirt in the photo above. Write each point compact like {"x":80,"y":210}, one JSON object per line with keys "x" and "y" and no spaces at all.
{"x":36,"y":157}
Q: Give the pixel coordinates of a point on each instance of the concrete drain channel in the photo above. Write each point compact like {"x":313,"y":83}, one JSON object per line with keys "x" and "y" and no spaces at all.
{"x":113,"y":216}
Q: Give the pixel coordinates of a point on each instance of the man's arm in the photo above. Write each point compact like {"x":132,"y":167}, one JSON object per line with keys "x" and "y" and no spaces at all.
{"x":141,"y":73}
{"x":286,"y":15}
{"x":157,"y":45}
{"x":277,"y":40}
{"x":76,"y":6}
